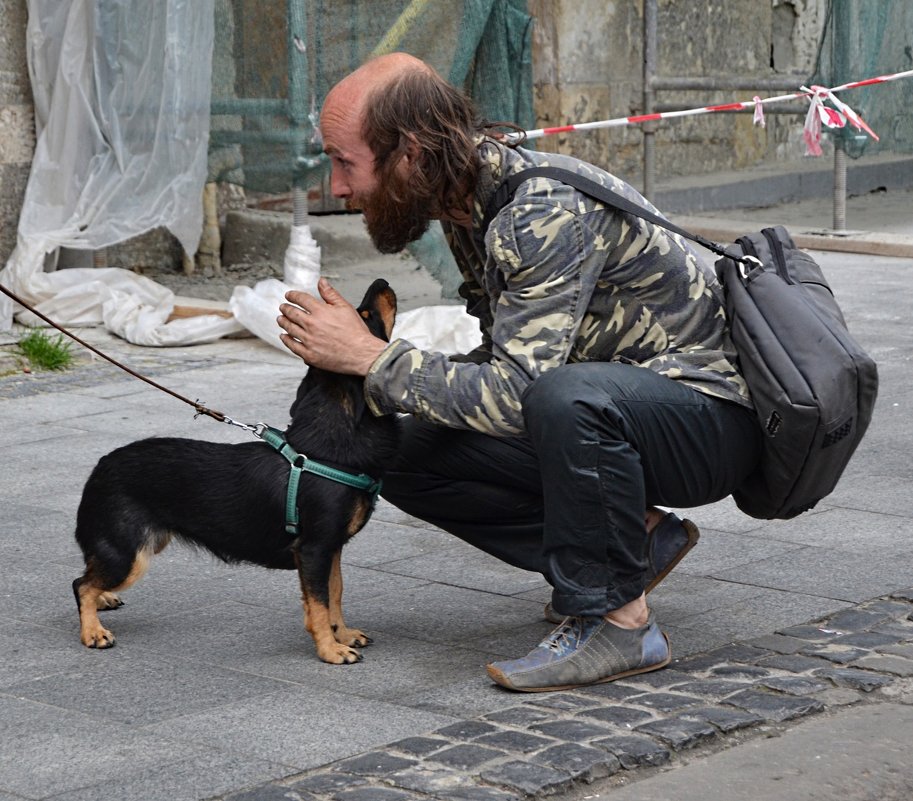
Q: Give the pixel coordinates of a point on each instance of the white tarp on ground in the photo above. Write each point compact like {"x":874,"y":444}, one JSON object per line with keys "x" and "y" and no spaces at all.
{"x":122,"y":94}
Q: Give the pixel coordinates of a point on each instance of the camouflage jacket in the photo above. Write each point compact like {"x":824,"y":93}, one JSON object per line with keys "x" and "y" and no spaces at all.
{"x":559,"y":278}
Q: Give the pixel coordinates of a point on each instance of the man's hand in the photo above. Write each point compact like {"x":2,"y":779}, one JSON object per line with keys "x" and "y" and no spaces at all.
{"x":329,"y":333}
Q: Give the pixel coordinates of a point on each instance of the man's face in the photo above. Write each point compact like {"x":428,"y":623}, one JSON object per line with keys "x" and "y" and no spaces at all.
{"x":391,"y":223}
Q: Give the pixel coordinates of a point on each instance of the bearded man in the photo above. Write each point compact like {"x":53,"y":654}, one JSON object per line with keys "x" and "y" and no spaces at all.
{"x":605,"y":384}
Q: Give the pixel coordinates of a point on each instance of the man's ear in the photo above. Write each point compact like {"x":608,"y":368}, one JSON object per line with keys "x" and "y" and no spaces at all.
{"x":412,"y":149}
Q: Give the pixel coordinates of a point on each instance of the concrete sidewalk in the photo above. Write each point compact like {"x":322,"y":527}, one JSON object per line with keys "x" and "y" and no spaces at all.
{"x":787,"y":635}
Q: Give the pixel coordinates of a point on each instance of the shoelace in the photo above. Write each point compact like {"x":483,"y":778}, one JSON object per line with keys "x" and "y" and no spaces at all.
{"x":562,"y":636}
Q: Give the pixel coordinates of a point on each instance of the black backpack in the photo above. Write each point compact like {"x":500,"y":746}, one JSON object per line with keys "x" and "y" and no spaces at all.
{"x":812,"y":385}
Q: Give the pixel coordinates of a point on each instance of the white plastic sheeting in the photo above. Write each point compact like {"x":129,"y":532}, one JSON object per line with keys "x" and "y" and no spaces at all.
{"x":122,"y":93}
{"x":448,"y":329}
{"x":122,"y":96}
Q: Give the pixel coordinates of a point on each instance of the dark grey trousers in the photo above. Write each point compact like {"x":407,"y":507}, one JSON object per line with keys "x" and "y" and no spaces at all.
{"x":604,"y":441}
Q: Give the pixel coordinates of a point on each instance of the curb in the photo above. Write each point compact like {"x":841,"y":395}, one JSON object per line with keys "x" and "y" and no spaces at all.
{"x":868,"y":242}
{"x":617,"y":732}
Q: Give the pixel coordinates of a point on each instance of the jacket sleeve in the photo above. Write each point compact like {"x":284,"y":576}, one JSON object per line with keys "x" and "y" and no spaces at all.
{"x":542,"y":268}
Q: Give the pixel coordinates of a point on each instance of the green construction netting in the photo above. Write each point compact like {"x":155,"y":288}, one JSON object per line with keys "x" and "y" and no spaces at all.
{"x":274,"y":62}
{"x":864,"y":39}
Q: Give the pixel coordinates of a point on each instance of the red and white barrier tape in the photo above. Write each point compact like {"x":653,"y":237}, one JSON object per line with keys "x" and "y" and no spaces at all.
{"x":818,"y":113}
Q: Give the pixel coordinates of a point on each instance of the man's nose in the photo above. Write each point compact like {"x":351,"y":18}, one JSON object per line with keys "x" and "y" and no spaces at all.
{"x":338,"y":185}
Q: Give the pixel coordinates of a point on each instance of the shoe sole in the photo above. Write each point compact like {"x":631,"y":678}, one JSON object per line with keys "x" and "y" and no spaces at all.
{"x":497,"y":676}
{"x":693,"y":536}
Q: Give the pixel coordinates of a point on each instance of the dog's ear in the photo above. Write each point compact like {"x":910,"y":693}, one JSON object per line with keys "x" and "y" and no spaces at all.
{"x":303,"y":388}
{"x":378,"y":308}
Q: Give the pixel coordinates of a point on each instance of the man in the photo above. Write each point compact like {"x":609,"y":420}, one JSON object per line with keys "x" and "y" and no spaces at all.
{"x":605,"y":383}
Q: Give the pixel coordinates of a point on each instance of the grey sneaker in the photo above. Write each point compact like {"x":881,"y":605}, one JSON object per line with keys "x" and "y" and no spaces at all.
{"x":584,"y":650}
{"x":668,"y":543}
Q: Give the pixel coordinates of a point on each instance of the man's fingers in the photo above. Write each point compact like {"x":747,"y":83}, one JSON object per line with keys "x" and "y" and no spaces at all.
{"x":329,"y":294}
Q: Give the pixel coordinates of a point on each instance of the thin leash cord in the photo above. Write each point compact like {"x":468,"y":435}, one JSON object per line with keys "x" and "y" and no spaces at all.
{"x":198,"y":407}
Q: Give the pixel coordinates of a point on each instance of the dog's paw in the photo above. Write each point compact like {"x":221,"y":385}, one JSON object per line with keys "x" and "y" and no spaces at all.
{"x":339,"y":654}
{"x":97,"y":638}
{"x":351,"y":637}
{"x":108,"y":600}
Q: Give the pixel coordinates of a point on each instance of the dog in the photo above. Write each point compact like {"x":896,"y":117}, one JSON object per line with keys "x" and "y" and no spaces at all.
{"x":231,"y":500}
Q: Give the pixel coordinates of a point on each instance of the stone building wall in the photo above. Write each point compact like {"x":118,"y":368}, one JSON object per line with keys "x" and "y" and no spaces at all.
{"x":17,"y":127}
{"x":587,"y":65}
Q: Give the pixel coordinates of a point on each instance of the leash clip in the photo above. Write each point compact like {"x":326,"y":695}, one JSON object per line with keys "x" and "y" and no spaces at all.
{"x":256,"y":429}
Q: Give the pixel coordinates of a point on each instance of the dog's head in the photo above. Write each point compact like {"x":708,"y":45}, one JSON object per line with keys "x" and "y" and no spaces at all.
{"x":378,"y":309}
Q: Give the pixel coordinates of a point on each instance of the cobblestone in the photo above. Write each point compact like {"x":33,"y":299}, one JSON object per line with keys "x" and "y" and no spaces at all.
{"x":377,"y":763}
{"x":618,"y":715}
{"x":794,"y":685}
{"x":418,"y":746}
{"x":519,"y":742}
{"x":635,"y":751}
{"x":527,"y":778}
{"x":466,"y":756}
{"x":774,"y":707}
{"x":665,"y":702}
{"x":895,"y":665}
{"x":723,"y":718}
{"x":836,"y":653}
{"x":863,"y":680}
{"x":794,"y":663}
{"x":678,"y":733}
{"x":581,"y":761}
{"x":375,"y":794}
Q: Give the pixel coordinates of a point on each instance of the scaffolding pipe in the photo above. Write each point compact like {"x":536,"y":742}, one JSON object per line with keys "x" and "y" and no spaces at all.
{"x":649,"y":97}
{"x":298,"y":103}
{"x":786,"y":83}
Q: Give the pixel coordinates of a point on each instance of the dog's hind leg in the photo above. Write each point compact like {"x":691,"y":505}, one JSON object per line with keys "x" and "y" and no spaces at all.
{"x":341,"y":631}
{"x":93,"y":592}
{"x":108,"y":600}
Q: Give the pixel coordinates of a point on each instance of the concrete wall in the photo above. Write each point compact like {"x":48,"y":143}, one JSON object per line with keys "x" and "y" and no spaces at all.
{"x":588,"y":65}
{"x":17,"y":128}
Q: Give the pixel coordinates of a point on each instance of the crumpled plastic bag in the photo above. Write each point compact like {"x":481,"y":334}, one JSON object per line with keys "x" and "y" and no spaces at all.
{"x":447,"y":329}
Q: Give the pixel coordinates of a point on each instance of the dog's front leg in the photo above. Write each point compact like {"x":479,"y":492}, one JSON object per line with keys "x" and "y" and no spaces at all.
{"x":341,"y":631}
{"x":314,"y":575}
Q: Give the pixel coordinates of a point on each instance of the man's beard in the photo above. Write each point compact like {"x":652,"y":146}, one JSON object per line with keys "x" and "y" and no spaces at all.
{"x":394,"y":223}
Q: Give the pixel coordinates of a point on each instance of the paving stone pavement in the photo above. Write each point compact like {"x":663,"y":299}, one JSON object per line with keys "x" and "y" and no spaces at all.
{"x":548,"y":744}
{"x":214,"y":692}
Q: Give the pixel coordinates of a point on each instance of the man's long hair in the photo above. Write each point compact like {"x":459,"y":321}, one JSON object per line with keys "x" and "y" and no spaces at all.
{"x":419,"y":106}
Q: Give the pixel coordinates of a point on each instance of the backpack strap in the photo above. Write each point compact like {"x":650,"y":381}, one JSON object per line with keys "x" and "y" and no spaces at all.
{"x":581,"y":183}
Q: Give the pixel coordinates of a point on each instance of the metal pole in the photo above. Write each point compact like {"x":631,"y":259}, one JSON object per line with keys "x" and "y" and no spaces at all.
{"x":839,"y":185}
{"x":298,"y":102}
{"x":649,"y":128}
{"x":841,"y":49}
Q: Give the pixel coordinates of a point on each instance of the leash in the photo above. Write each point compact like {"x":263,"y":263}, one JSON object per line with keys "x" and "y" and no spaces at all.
{"x":199,"y":408}
{"x":298,"y":463}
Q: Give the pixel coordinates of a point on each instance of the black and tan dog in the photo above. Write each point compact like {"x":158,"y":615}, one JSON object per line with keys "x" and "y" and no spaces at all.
{"x":231,"y":500}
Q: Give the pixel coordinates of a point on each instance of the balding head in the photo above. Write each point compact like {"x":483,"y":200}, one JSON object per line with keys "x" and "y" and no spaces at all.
{"x":400,"y":137}
{"x":347,"y":98}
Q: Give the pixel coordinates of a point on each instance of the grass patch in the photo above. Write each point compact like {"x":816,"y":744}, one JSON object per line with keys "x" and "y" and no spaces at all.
{"x":46,"y":352}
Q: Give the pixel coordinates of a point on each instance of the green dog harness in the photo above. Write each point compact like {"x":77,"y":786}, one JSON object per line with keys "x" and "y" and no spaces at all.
{"x":301,"y":464}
